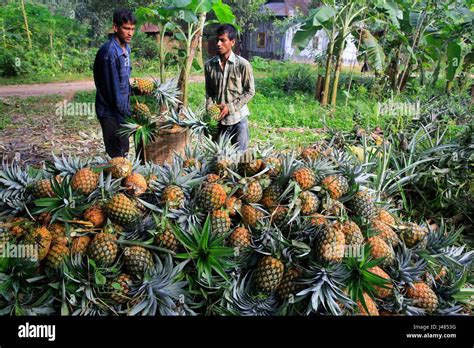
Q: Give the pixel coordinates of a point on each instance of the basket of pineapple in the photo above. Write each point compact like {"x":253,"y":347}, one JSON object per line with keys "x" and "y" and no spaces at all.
{"x":217,"y":232}
{"x":155,"y":139}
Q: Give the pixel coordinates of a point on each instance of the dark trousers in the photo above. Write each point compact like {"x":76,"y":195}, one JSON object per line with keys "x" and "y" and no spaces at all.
{"x":240,"y":132}
{"x":116,"y":145}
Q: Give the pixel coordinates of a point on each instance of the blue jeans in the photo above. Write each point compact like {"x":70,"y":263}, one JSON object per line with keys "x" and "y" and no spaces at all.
{"x":240,"y":132}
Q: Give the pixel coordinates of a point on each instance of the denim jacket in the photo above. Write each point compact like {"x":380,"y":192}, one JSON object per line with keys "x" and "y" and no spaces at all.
{"x":112,"y":68}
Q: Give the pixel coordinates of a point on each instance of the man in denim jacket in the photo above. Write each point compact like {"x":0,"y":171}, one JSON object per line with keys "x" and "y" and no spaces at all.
{"x":112,"y":69}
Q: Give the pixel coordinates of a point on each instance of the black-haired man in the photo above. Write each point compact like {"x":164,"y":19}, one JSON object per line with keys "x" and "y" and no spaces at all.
{"x":112,"y":68}
{"x":230,"y":84}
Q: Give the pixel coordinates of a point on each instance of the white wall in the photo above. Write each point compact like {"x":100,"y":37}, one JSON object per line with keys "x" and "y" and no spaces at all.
{"x":349,"y":56}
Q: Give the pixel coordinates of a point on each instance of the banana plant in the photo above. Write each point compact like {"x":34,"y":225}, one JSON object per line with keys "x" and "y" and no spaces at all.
{"x":186,"y":19}
{"x":338,"y":20}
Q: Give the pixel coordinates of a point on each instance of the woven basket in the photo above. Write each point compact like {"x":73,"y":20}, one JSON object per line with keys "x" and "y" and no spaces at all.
{"x":167,"y":143}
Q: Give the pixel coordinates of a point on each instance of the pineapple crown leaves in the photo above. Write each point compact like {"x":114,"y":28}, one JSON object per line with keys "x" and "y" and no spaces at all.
{"x":84,"y":284}
{"x":220,"y":149}
{"x":67,"y":165}
{"x":239,"y":299}
{"x":188,"y":216}
{"x":106,"y":188}
{"x":167,"y":92}
{"x":401,"y":304}
{"x":271,"y":242}
{"x":361,"y":279}
{"x":24,"y":290}
{"x":65,"y":205}
{"x":207,"y":251}
{"x":160,"y":292}
{"x":14,"y":180}
{"x":438,"y":240}
{"x":196,"y":120}
{"x":452,"y":289}
{"x":407,"y":268}
{"x":323,"y":285}
{"x":143,"y":130}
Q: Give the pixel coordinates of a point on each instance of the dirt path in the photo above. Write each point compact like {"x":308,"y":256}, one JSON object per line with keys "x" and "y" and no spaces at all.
{"x":63,"y":88}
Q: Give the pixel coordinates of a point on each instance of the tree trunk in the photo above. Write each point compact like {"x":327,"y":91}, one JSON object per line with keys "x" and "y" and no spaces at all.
{"x":319,"y":88}
{"x":337,"y":73}
{"x":186,"y":69}
{"x":327,"y":76}
{"x":25,"y":17}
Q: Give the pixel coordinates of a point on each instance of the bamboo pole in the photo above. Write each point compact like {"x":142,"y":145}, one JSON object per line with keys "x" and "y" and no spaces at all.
{"x":28,"y":34}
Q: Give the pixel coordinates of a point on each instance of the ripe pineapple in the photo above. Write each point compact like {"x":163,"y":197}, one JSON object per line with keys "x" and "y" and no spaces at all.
{"x":274,"y":165}
{"x":251,"y":167}
{"x":141,"y":110}
{"x":363,"y":205}
{"x":120,"y":167}
{"x":191,"y":163}
{"x":385,"y":216}
{"x":96,"y":214}
{"x":309,"y":203}
{"x":122,"y":209}
{"x":41,"y":238}
{"x":381,"y":292}
{"x":44,"y":218}
{"x":85,"y":181}
{"x":211,"y":197}
{"x":336,"y":185}
{"x":423,"y":296}
{"x":103,"y":248}
{"x":309,"y":154}
{"x":173,"y":195}
{"x":304,"y":177}
{"x":143,"y":86}
{"x":240,"y":238}
{"x":120,"y":291}
{"x":167,"y":239}
{"x":279,"y":215}
{"x":381,"y":249}
{"x":213,"y":111}
{"x":57,"y":230}
{"x":329,"y":244}
{"x":80,"y":245}
{"x":412,"y":234}
{"x":287,"y":285}
{"x":220,"y":222}
{"x":317,"y":219}
{"x":232,"y":205}
{"x":136,"y":184}
{"x":271,"y":195}
{"x":268,"y":274}
{"x":212,"y":178}
{"x":57,"y":253}
{"x":138,"y":259}
{"x":252,"y":192}
{"x":385,"y":232}
{"x":352,"y":232}
{"x":251,"y":215}
{"x":19,"y":226}
{"x":42,"y":188}
{"x":371,"y":306}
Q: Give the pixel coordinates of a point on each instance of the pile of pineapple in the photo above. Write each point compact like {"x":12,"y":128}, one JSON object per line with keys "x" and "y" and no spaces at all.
{"x":218,"y":232}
